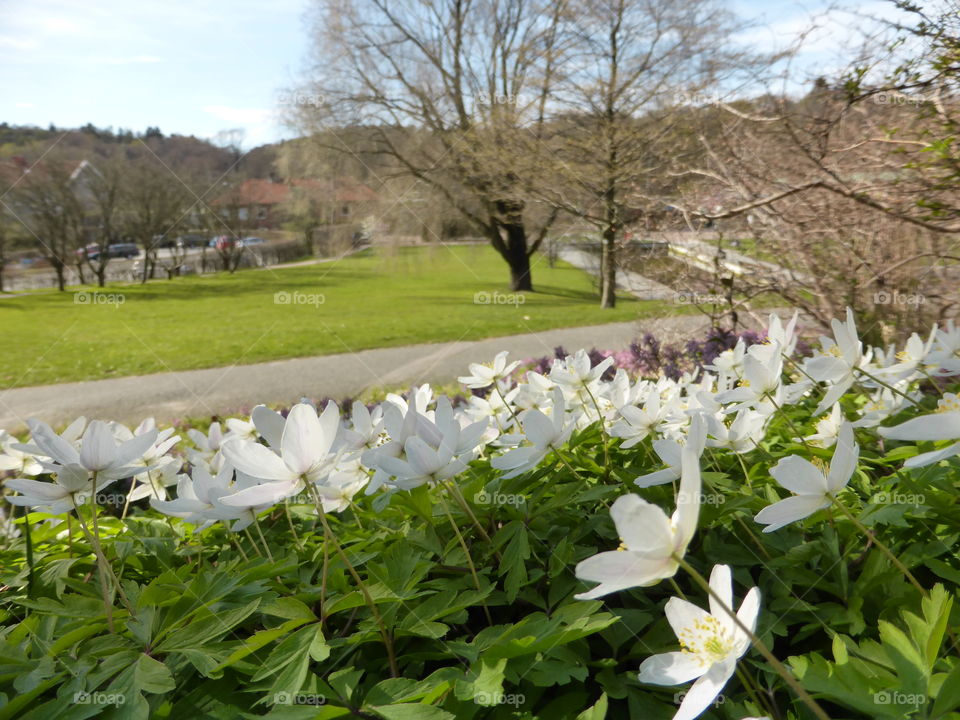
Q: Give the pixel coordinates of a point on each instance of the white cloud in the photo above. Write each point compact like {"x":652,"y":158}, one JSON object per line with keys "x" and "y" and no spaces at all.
{"x":24,"y":104}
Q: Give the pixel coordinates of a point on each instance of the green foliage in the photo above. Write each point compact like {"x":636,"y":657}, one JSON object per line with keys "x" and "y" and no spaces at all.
{"x":221,"y":630}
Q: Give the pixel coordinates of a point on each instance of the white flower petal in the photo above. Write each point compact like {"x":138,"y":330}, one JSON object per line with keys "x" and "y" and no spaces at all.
{"x":790,"y":510}
{"x":672,"y":668}
{"x":705,"y":690}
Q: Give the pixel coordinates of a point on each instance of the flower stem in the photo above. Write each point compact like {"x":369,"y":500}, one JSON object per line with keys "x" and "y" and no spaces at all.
{"x":881,"y":546}
{"x":889,"y":387}
{"x":779,"y":667}
{"x":263,"y":540}
{"x":387,"y":640}
{"x":466,"y":550}
{"x":293,"y":530}
{"x":458,"y":496}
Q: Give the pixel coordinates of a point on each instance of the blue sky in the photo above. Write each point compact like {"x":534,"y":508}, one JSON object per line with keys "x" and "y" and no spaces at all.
{"x":203,"y":66}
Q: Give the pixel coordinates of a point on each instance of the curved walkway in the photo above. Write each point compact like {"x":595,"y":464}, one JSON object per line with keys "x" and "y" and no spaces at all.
{"x":235,"y":389}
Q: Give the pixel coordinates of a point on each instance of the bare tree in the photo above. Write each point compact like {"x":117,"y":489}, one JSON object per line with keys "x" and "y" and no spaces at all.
{"x":104,"y":186}
{"x":46,"y":200}
{"x":444,"y":89}
{"x":624,"y":94}
{"x":155,"y":202}
{"x":852,"y":189}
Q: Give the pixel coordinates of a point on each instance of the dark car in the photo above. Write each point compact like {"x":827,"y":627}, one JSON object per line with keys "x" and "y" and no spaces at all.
{"x":191,"y":241}
{"x":123,"y":250}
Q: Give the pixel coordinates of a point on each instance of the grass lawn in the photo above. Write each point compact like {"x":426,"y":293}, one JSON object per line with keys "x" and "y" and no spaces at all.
{"x":399,"y":297}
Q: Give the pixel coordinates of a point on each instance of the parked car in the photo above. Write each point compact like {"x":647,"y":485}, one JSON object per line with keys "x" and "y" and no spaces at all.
{"x":223,"y":242}
{"x":123,"y":250}
{"x":90,"y":252}
{"x":191,"y":241}
{"x":250,"y":241}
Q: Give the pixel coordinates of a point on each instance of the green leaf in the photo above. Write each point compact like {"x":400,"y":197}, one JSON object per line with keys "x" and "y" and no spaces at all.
{"x":949,"y":696}
{"x":411,"y":712}
{"x":295,"y":647}
{"x":597,"y":712}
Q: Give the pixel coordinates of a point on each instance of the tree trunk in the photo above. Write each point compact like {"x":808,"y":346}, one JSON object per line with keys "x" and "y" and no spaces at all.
{"x":515,"y":248}
{"x":608,"y":268}
{"x":520,"y":278}
{"x":102,"y":276}
{"x":58,"y":269}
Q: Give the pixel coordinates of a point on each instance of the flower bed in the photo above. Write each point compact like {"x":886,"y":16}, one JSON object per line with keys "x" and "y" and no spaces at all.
{"x":750,"y":533}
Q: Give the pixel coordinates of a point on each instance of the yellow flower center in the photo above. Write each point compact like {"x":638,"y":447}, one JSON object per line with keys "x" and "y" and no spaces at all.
{"x":949,"y":403}
{"x":821,"y":465}
{"x":706,"y":639}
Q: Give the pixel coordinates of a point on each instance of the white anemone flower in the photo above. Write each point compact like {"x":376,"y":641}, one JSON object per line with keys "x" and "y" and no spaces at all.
{"x":71,"y":487}
{"x":761,"y":379}
{"x":712,"y":643}
{"x":837,"y":361}
{"x":436,"y":451}
{"x":482,"y":376}
{"x":13,"y":458}
{"x":813,"y":489}
{"x":944,"y":424}
{"x":637,"y":423}
{"x":785,"y":336}
{"x":199,"y":500}
{"x":366,"y":428}
{"x":743,"y":434}
{"x":207,"y":450}
{"x":304,"y":456}
{"x":671,"y":452}
{"x":944,"y":355}
{"x":652,"y":543}
{"x":574,"y":371}
{"x":827,"y":428}
{"x":99,"y":451}
{"x":545,"y":435}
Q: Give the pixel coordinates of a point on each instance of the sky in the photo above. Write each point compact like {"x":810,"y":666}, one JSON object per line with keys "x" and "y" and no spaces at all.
{"x":199,"y":67}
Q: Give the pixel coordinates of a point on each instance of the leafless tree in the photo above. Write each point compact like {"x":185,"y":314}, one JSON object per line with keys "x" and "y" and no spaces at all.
{"x":852,"y":189}
{"x":45,"y":200}
{"x":622,"y":97}
{"x":446,"y":87}
{"x":155,"y":203}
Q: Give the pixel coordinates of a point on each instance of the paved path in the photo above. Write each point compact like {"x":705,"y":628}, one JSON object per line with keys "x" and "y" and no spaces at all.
{"x":192,"y":393}
{"x":637,"y":285}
